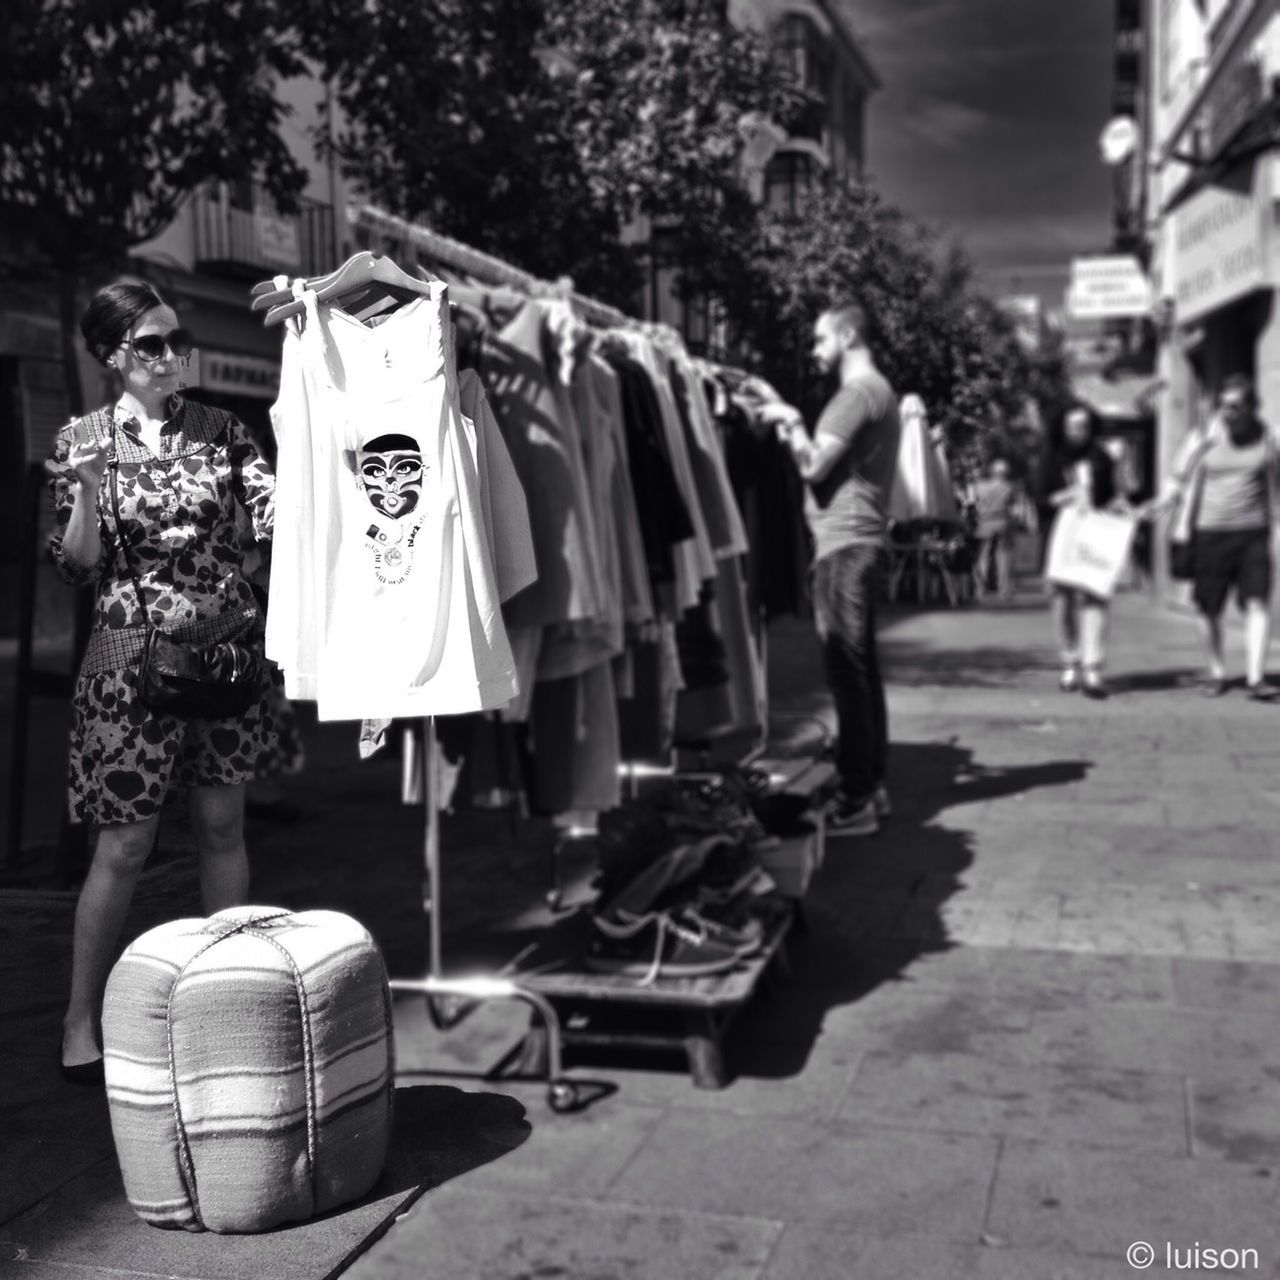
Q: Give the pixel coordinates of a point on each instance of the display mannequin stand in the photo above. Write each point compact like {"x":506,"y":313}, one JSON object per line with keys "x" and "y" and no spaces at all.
{"x":449,"y":1000}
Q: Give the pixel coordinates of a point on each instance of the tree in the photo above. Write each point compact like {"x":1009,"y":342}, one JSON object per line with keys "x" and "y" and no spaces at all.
{"x":934,"y":333}
{"x":538,"y":130}
{"x":114,"y":111}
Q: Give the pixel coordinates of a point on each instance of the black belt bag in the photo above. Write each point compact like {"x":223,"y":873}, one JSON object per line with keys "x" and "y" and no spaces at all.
{"x":209,"y":681}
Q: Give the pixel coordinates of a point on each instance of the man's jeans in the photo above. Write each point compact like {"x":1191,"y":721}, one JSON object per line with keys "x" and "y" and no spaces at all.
{"x":844,"y":589}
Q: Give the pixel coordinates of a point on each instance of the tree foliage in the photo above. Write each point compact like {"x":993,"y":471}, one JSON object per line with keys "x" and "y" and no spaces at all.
{"x":934,"y":333}
{"x":114,"y":111}
{"x":539,"y":131}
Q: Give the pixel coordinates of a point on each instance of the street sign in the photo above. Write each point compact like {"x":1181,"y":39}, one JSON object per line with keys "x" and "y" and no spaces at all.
{"x":1107,"y":288}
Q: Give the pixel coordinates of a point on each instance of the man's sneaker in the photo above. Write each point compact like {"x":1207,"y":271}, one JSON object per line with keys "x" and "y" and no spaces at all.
{"x":655,"y":946}
{"x":884,"y":806}
{"x":853,"y":820}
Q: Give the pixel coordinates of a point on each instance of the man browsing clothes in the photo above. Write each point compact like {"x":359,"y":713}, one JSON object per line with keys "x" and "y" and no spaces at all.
{"x":848,"y":468}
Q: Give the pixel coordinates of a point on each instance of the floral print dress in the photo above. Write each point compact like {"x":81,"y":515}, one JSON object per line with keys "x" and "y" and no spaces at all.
{"x":178,"y":512}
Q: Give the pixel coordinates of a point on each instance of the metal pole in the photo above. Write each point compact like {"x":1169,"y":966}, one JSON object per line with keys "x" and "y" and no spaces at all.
{"x":431,"y":889}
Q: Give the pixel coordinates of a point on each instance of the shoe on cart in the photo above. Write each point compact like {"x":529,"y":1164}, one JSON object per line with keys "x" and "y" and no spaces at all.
{"x":884,"y":806}
{"x":847,"y":818}
{"x":739,"y":929}
{"x":655,"y":945}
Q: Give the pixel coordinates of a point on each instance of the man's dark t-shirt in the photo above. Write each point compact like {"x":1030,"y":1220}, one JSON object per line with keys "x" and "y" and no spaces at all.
{"x":848,"y":506}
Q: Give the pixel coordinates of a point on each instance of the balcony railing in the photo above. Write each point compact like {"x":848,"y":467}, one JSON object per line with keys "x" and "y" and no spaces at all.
{"x":239,"y":232}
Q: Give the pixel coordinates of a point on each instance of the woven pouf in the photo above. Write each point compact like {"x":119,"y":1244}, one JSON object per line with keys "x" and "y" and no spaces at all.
{"x":249,"y":1068}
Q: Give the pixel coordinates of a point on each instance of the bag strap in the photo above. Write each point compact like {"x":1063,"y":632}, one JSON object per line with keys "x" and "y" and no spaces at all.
{"x":114,"y":466}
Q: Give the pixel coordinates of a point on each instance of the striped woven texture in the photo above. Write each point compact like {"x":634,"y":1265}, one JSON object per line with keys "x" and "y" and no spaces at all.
{"x":249,"y":1068}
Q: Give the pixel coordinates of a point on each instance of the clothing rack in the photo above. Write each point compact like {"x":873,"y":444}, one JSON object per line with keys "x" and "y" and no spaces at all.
{"x":450,"y":999}
{"x":709,"y":1011}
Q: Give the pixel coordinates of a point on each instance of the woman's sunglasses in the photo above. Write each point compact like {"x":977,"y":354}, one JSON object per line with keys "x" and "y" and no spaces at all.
{"x":151,"y":346}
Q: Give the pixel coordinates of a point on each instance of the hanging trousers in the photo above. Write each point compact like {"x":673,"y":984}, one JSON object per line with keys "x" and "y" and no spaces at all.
{"x":844,"y":599}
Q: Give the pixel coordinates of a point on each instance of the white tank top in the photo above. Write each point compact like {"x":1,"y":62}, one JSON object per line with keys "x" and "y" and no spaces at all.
{"x":385,"y":601}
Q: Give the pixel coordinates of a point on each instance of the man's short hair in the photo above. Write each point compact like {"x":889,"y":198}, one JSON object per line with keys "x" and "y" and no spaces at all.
{"x":851,"y":312}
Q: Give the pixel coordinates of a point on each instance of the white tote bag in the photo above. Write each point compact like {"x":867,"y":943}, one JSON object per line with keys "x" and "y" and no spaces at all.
{"x":1089,"y":550}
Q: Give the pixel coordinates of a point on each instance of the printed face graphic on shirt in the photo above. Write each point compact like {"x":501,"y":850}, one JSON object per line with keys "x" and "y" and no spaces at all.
{"x":390,"y":471}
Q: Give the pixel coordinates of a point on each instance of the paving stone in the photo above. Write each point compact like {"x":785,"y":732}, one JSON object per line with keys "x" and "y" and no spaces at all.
{"x":80,"y":1109}
{"x":39,"y":1166}
{"x":581,"y":1153}
{"x":1050,"y":979}
{"x":1187,"y":1041}
{"x":461,"y":1234}
{"x":1098,"y":1203}
{"x":962,"y":1093}
{"x":1235,"y":1114}
{"x":1236,"y":985}
{"x":811,"y":1253}
{"x":853,"y":1175}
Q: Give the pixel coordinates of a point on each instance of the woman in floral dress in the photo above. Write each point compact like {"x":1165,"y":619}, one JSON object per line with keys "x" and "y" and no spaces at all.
{"x":182,"y":470}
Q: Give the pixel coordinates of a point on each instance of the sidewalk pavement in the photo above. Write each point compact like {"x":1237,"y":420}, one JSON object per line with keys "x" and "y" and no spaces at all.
{"x":1033,"y":1021}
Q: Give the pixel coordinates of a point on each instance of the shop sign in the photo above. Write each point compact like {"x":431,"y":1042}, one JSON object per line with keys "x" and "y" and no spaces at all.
{"x":235,"y":375}
{"x":1219,"y":250}
{"x":277,"y":238}
{"x":1109,"y":287}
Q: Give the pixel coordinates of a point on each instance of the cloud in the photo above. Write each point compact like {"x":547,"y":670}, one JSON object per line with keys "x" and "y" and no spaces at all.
{"x":986,"y":126}
{"x":944,"y":123}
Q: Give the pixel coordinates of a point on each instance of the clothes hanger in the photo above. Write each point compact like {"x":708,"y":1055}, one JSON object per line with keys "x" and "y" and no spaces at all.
{"x":362,"y":274}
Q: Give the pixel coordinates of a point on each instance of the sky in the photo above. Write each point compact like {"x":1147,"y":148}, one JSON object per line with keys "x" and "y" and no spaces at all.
{"x":987,"y":127}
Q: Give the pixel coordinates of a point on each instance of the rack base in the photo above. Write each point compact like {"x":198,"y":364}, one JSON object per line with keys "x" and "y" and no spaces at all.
{"x":607,"y":1011}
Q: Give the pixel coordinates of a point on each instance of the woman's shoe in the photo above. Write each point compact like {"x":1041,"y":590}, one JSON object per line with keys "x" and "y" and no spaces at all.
{"x":1095,"y":686}
{"x":1069,"y":680}
{"x":1260,"y":692}
{"x":90,"y":1073}
{"x":1215,"y":687}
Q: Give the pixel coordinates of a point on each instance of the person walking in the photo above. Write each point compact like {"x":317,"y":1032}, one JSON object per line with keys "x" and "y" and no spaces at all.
{"x":847,"y":468}
{"x":995,"y":503}
{"x":176,"y":471}
{"x":1080,"y":473}
{"x":1226,"y":474}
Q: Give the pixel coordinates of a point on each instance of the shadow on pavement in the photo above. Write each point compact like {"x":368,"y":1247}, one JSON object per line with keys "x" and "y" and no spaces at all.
{"x":876,"y":907}
{"x":914,"y":663}
{"x":440,"y":1133}
{"x":1154,"y":681}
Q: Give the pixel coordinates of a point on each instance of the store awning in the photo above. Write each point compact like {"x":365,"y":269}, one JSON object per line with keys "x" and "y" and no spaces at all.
{"x":1127,"y":395}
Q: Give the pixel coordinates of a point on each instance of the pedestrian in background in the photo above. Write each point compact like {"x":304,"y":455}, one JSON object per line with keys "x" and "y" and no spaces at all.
{"x":995,"y":499}
{"x":1080,"y":472}
{"x":1225,"y":474}
{"x":848,"y":469}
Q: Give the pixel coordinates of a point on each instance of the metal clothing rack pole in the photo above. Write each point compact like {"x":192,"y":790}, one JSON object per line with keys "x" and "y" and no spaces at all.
{"x":483,"y":266}
{"x":562,"y":1094}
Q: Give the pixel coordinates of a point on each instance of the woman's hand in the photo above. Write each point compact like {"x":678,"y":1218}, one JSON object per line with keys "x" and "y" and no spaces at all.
{"x":89,"y":462}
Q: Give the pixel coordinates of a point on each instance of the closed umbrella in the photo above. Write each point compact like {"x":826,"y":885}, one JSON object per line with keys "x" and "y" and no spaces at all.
{"x":921,"y":482}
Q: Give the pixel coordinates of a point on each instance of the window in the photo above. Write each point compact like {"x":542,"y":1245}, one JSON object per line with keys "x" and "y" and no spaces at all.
{"x":788,"y":177}
{"x":854,"y":129}
{"x":806,"y":51}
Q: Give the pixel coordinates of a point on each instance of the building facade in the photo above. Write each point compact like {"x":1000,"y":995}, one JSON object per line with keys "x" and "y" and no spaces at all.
{"x":1214,"y":176}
